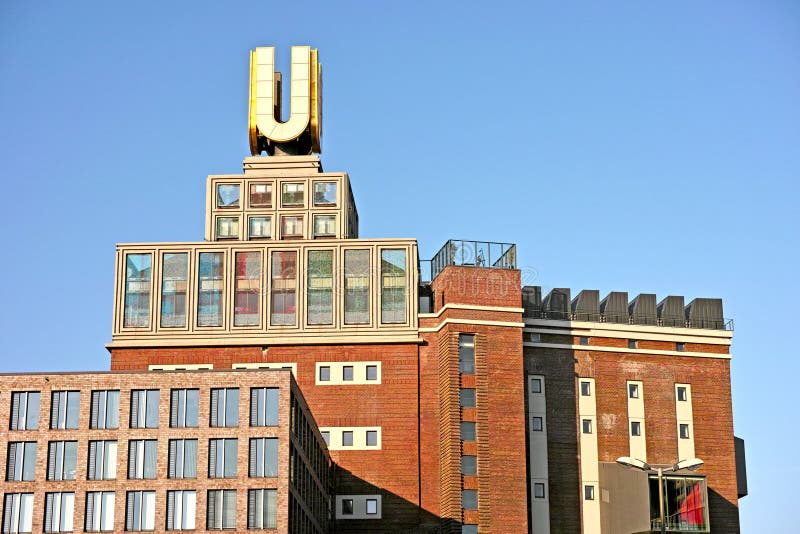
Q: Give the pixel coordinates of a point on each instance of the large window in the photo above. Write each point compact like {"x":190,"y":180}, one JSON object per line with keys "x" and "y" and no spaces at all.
{"x":102,"y":463}
{"x":262,"y":508}
{"x":138,"y":270}
{"x":21,"y":461}
{"x":183,"y":408}
{"x":59,"y":509}
{"x":174,"y":285}
{"x":284,"y":287}
{"x":292,"y":195}
{"x":466,"y":354}
{"x":18,"y":512}
{"x":221,"y":510}
{"x":182,"y":458}
{"x":105,"y":409}
{"x":224,"y":407}
{"x":393,"y":286}
{"x":324,"y":193}
{"x":264,"y":406}
{"x":181,"y":510}
{"x":64,"y":409}
{"x":210,"y":287}
{"x":260,"y":195}
{"x":685,"y":504}
{"x":140,"y":510}
{"x":142,"y":458}
{"x":62,"y":460}
{"x":248,"y":289}
{"x":24,"y":410}
{"x":356,"y":286}
{"x":222,"y":458}
{"x":320,"y":287}
{"x":99,"y":511}
{"x":263,"y":457}
{"x":144,"y":408}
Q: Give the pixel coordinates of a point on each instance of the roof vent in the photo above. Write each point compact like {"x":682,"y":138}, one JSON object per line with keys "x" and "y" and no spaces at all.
{"x":705,"y":313}
{"x":532,"y":300}
{"x":643,"y":309}
{"x":586,"y":306}
{"x":615,"y":307}
{"x":556,"y":304}
{"x":671,"y":311}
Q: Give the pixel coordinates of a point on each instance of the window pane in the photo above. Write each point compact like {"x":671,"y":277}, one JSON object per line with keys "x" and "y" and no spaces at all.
{"x":138,"y":270}
{"x":292,"y":194}
{"x":324,"y":225}
{"x":324,"y":193}
{"x":232,"y":407}
{"x":227,"y":227}
{"x":174,"y":279}
{"x":73,"y":409}
{"x":469,"y":499}
{"x":231,"y":451}
{"x":356,"y":286}
{"x":151,"y":420}
{"x":260,"y":195}
{"x":227,"y":195}
{"x":393,"y":286}
{"x":228,"y":509}
{"x":466,"y":354}
{"x":260,"y":227}
{"x":467,"y":398}
{"x":210,"y":286}
{"x":248,"y":289}
{"x":284,"y":275}
{"x":467,"y":431}
{"x":469,"y":465}
{"x":292,"y":227}
{"x":320,"y":287}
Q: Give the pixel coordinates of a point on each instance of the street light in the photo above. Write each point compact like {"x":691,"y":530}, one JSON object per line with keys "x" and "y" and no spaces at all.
{"x":689,"y":463}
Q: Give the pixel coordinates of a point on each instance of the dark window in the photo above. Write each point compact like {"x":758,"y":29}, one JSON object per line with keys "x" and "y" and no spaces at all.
{"x":538,"y":490}
{"x":633,"y":391}
{"x":469,"y":499}
{"x":636,"y":428}
{"x":221,"y":510}
{"x":584,"y":340}
{"x":347,"y":506}
{"x":586,"y":389}
{"x":469,"y":465}
{"x":347,"y":438}
{"x":536,"y":385}
{"x":262,"y":508}
{"x":467,"y":398}
{"x":682,"y":396}
{"x":685,"y":504}
{"x":587,"y":426}
{"x":264,"y":406}
{"x":684,"y":431}
{"x":588,"y":493}
{"x":466,"y":354}
{"x":467,"y":431}
{"x":64,"y":409}
{"x":680,"y":347}
{"x":537,"y":424}
{"x":632,"y":343}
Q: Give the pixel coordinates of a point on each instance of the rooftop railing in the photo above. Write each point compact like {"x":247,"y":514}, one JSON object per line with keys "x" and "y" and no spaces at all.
{"x":465,"y":253}
{"x":709,"y":324}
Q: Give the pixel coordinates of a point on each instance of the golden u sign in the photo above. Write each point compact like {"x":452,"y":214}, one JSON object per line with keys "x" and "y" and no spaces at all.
{"x":301,"y":133}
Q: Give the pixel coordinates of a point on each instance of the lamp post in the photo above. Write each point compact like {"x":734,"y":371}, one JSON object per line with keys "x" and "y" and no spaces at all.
{"x":689,"y":463}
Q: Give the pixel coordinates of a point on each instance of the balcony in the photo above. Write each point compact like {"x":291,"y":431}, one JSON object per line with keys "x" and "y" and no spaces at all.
{"x":465,"y":253}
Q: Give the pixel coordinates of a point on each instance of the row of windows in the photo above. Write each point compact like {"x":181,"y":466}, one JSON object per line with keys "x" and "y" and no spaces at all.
{"x":469,"y":463}
{"x":370,"y":438}
{"x":260,"y":226}
{"x":632,"y":343}
{"x":681,"y":392}
{"x":140,"y":510}
{"x":260,"y":195}
{"x":348,"y":373}
{"x":62,"y":459}
{"x":248,"y":281}
{"x":184,"y":408}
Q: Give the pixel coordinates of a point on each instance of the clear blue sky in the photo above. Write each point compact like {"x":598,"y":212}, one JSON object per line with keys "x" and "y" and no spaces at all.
{"x":632,"y":146}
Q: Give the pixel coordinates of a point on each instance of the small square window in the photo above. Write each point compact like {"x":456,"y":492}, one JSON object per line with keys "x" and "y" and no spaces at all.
{"x":682,"y":393}
{"x":324,"y":193}
{"x":633,"y":391}
{"x":469,"y":465}
{"x":469,"y":529}
{"x":260,"y":227}
{"x":469,"y":499}
{"x":537,"y":424}
{"x":324,"y":373}
{"x":227,"y":195}
{"x":534,"y":338}
{"x":372,"y":438}
{"x":536,"y":385}
{"x":636,"y":428}
{"x":587,"y":426}
{"x":326,"y":436}
{"x":588,"y":493}
{"x":372,"y":372}
{"x":538,"y":490}
{"x":467,"y":431}
{"x":680,"y":347}
{"x":292,"y":227}
{"x":372,"y":506}
{"x":260,"y":195}
{"x":347,"y":438}
{"x":324,"y":225}
{"x":632,"y":343}
{"x":584,"y":340}
{"x":684,"y":431}
{"x":586,"y":389}
{"x":347,"y":506}
{"x":292,"y":195}
{"x":467,"y":398}
{"x":347,"y":373}
{"x":227,"y":227}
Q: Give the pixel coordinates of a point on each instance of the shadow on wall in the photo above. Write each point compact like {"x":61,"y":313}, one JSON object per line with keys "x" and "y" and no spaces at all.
{"x":399,"y":515}
{"x":723,"y":514}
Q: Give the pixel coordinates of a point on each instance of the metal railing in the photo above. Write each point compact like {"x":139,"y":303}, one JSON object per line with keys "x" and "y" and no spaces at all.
{"x":466,"y":253}
{"x":709,"y":324}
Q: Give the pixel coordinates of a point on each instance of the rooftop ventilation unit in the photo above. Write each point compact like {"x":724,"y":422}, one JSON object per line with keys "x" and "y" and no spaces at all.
{"x":532,"y":301}
{"x":642,"y":309}
{"x":586,"y":306}
{"x":556,"y":304}
{"x":705,"y":313}
{"x":615,"y":307}
{"x":671,"y":311}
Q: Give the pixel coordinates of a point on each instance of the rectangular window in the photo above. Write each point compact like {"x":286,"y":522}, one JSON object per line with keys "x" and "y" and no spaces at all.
{"x":138,"y":270}
{"x":264,"y":404}
{"x":320,"y":287}
{"x":324,"y":225}
{"x":685,"y":504}
{"x":210,"y":285}
{"x":227,"y":227}
{"x":466,"y":354}
{"x":680,"y":347}
{"x":222,"y":458}
{"x":534,"y":337}
{"x":18,"y":512}
{"x":467,"y":431}
{"x":347,"y":506}
{"x":102,"y":462}
{"x":684,"y":431}
{"x":587,"y":426}
{"x":21,"y":461}
{"x":537,"y":424}
{"x":393,"y":286}
{"x":469,"y":499}
{"x":632,"y":343}
{"x":62,"y":460}
{"x":347,"y":373}
{"x":292,"y":195}
{"x":324,"y":193}
{"x":25,"y":410}
{"x":140,"y":510}
{"x":284,"y":286}
{"x":536,"y":385}
{"x":184,"y":406}
{"x":142,"y":458}
{"x":105,"y":409}
{"x":292,"y":227}
{"x":224,"y":407}
{"x":144,"y":408}
{"x":181,"y":509}
{"x":324,"y":373}
{"x":99,"y":511}
{"x":586,"y":389}
{"x":221,"y":510}
{"x":372,"y":438}
{"x":174,"y":287}
{"x":356,"y":286}
{"x":588,"y":493}
{"x":182,"y":461}
{"x":469,"y":465}
{"x":372,"y":506}
{"x":682,"y":393}
{"x":263,"y":460}
{"x":59,"y":509}
{"x":372,"y":372}
{"x":262,"y":508}
{"x":636,"y":428}
{"x":584,"y":340}
{"x":538,"y":490}
{"x":227,"y":195}
{"x":260,"y":227}
{"x":467,"y":398}
{"x":633,"y":391}
{"x":247,"y":295}
{"x":469,"y":529}
{"x":64,"y":409}
{"x":260,"y":195}
{"x":347,"y":438}
{"x":326,"y":437}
